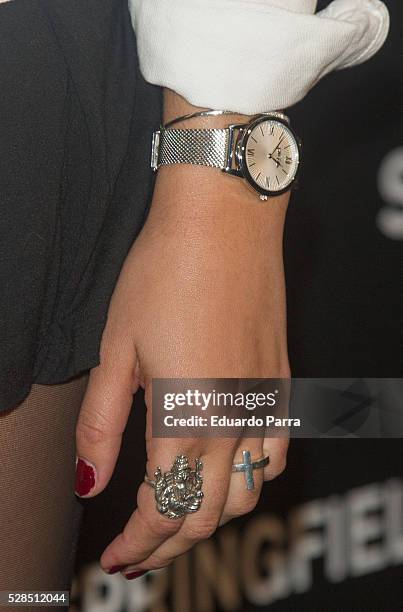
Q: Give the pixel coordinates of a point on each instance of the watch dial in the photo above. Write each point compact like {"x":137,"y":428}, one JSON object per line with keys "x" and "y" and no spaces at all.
{"x":271,"y":155}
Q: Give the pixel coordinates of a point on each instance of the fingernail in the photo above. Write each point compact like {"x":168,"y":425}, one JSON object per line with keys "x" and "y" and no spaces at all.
{"x":85,"y":477}
{"x":134,"y":575}
{"x":115,"y":569}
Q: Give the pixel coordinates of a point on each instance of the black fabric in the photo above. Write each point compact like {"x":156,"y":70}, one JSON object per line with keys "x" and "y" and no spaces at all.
{"x":75,"y":181}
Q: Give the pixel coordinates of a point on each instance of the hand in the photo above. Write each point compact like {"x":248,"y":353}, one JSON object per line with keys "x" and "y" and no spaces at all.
{"x":200,"y":295}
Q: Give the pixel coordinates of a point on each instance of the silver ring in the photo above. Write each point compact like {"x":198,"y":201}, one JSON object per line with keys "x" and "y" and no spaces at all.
{"x":209,"y":112}
{"x":178,"y":491}
{"x":248,"y":466}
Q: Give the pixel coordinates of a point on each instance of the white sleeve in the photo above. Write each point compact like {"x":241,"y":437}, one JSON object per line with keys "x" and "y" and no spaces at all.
{"x":251,"y":56}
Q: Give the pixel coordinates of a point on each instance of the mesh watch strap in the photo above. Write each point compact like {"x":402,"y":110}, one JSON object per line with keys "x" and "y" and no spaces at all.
{"x":200,"y":147}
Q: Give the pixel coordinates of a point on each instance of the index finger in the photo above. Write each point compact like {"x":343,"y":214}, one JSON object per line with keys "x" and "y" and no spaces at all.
{"x":145,"y":531}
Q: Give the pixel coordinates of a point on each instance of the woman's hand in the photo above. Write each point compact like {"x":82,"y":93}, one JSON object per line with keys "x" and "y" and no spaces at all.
{"x":200,"y":295}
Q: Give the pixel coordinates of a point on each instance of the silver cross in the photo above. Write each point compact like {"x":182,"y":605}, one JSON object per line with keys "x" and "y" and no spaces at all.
{"x":248,"y":466}
{"x":248,"y":469}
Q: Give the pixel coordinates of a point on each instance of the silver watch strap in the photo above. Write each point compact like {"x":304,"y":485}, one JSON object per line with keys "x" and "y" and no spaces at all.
{"x":207,"y":147}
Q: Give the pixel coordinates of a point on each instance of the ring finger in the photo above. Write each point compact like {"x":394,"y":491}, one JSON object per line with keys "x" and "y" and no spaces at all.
{"x":240,"y":500}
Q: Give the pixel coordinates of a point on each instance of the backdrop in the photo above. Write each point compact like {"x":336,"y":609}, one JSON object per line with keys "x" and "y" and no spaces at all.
{"x":328,"y":534}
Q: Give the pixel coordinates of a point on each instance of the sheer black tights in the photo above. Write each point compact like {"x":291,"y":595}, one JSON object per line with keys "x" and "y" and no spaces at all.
{"x":39,"y":513}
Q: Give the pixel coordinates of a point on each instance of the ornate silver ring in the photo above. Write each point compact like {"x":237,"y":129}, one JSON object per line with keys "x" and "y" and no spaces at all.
{"x":178,"y":491}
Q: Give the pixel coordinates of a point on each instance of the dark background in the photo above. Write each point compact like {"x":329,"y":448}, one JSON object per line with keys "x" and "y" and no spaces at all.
{"x":344,"y":249}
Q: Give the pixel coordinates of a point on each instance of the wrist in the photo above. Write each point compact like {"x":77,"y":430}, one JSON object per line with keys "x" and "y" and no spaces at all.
{"x":199,"y":189}
{"x":209,"y":205}
{"x":188,"y":194}
{"x":262,"y":150}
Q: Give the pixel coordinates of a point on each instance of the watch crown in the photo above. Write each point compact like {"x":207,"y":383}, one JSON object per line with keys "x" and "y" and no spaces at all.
{"x":263,"y":197}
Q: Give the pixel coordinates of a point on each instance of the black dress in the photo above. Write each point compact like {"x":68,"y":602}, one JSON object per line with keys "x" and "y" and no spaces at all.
{"x":75,"y":181}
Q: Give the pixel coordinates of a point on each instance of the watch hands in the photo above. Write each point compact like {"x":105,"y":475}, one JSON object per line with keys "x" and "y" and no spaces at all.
{"x":277,"y":163}
{"x":277,"y":146}
{"x":270,"y":155}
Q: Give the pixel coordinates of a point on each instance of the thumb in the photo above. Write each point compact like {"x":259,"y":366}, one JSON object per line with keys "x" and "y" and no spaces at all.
{"x":104,"y":413}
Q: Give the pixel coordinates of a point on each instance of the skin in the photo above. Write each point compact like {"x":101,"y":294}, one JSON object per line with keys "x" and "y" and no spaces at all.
{"x":201,"y":294}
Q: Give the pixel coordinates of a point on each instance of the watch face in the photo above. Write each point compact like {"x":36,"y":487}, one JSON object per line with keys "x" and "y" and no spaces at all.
{"x":270,"y":155}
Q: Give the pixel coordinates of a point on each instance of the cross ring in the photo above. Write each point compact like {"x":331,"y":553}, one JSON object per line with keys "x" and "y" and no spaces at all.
{"x":248,"y":466}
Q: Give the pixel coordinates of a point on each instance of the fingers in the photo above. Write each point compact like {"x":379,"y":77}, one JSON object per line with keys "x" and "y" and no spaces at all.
{"x":240,"y":500}
{"x":150,"y":541}
{"x":146,"y":528}
{"x":144,"y":532}
{"x":104,"y":413}
{"x":276,"y":449}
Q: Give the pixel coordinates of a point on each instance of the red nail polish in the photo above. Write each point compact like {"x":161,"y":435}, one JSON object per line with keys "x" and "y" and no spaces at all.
{"x":85,"y":477}
{"x":115,"y":569}
{"x":134,"y":575}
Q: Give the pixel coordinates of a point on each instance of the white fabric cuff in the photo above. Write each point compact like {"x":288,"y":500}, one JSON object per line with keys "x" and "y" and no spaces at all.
{"x":252,"y":56}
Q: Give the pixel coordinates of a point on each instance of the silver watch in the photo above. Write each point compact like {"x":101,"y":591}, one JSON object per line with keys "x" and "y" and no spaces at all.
{"x":265,"y":152}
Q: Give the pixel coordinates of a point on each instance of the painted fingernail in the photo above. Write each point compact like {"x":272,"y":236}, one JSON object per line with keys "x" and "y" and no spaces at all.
{"x":85,"y":477}
{"x":134,"y":575}
{"x":115,"y":569}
